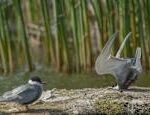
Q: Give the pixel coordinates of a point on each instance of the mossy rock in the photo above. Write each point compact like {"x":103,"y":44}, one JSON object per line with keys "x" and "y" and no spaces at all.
{"x":109,"y":106}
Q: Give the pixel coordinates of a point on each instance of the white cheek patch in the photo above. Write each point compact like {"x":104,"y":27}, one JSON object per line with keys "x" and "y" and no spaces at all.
{"x":34,"y":83}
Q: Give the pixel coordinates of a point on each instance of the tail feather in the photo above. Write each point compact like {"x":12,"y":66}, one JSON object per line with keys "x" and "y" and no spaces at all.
{"x":2,"y":99}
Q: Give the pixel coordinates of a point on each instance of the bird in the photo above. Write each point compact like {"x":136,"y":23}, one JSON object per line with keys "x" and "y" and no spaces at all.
{"x":125,"y":70}
{"x":25,"y":94}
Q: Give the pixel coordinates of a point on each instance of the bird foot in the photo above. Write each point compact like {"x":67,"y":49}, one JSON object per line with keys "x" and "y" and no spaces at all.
{"x":117,"y":88}
{"x":24,"y":108}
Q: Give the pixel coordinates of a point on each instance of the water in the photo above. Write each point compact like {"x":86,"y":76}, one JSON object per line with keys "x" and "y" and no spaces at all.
{"x":68,"y":81}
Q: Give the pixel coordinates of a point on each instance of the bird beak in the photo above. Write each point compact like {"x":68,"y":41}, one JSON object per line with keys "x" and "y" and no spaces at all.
{"x":43,"y":83}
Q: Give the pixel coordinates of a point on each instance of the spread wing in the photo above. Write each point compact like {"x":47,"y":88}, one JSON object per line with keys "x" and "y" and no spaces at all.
{"x":110,"y":65}
{"x":106,"y":64}
{"x":138,"y":60}
{"x":136,"y":63}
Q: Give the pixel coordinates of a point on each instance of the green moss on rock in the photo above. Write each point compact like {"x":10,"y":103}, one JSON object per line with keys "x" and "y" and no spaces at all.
{"x":109,"y":106}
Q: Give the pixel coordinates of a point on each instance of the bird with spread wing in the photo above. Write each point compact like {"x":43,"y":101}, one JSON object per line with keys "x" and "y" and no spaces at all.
{"x":125,"y":70}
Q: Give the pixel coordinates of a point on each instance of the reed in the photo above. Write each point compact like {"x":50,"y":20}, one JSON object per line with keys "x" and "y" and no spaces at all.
{"x":5,"y":42}
{"x":25,"y":42}
{"x":48,"y":41}
{"x":66,"y":38}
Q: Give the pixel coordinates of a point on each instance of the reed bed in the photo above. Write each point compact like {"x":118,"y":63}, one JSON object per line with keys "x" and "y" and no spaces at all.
{"x":68,"y":35}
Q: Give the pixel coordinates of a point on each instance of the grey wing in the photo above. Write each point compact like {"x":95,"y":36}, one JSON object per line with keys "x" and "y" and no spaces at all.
{"x":102,"y":59}
{"x":117,"y":67}
{"x":106,"y":64}
{"x":121,"y":69}
{"x":137,"y":63}
{"x":107,"y":48}
{"x":29,"y":95}
{"x":111,"y":65}
{"x":20,"y":94}
{"x":12,"y":95}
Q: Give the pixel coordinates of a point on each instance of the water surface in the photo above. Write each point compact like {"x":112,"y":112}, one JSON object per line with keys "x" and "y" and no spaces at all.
{"x":68,"y":81}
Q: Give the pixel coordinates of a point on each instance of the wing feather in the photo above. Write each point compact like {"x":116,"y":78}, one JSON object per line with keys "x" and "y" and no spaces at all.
{"x":15,"y":93}
{"x":107,"y":64}
{"x":124,"y":70}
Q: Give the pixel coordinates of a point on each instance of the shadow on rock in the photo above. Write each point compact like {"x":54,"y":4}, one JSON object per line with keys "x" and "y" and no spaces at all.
{"x":42,"y":112}
{"x":139,"y":90}
{"x":4,"y":113}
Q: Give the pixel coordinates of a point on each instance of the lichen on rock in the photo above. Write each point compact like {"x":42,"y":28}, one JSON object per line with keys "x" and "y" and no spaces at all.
{"x":135,"y":100}
{"x":109,"y":106}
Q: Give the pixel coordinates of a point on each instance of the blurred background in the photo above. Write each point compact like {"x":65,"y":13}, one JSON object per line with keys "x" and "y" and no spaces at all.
{"x":53,"y":37}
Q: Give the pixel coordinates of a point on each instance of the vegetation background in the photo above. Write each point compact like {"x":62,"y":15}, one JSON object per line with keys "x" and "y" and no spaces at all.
{"x":68,"y":35}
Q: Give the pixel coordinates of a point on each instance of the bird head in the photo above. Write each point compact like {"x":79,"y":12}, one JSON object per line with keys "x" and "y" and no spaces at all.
{"x":35,"y":80}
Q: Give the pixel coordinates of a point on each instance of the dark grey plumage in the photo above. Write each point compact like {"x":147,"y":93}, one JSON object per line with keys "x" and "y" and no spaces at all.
{"x":24,"y":94}
{"x":125,"y":70}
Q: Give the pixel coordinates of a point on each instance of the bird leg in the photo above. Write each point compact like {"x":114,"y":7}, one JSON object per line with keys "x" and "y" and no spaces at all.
{"x":22,"y":107}
{"x":25,"y":107}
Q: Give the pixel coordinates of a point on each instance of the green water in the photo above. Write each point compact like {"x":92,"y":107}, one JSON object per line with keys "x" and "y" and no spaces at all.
{"x":68,"y":81}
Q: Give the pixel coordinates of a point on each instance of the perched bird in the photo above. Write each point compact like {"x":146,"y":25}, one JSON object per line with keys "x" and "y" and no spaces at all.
{"x":125,"y":70}
{"x":25,"y":94}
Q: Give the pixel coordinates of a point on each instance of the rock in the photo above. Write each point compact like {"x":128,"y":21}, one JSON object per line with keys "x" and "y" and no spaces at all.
{"x":93,"y":101}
